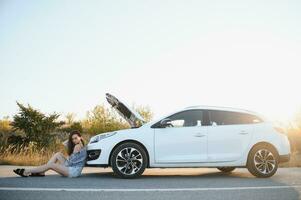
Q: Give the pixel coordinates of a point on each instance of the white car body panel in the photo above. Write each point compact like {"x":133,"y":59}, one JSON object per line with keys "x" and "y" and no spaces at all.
{"x":201,"y":146}
{"x":195,"y":152}
{"x":234,"y":142}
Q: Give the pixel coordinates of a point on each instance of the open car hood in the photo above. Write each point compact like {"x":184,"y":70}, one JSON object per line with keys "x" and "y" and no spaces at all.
{"x":133,"y":118}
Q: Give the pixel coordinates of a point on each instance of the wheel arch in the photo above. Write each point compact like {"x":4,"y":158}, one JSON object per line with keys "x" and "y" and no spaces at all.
{"x":133,"y":141}
{"x":268,"y":144}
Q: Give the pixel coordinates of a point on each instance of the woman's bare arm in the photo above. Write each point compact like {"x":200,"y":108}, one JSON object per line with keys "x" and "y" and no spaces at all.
{"x":77,"y":148}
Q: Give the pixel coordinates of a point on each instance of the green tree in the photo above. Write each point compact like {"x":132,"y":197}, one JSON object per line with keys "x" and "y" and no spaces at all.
{"x":36,"y":126}
{"x":145,"y":112}
{"x":101,"y":119}
{"x":5,"y":130}
{"x":70,"y":118}
{"x":71,"y":124}
{"x":5,"y":126}
{"x":71,"y":127}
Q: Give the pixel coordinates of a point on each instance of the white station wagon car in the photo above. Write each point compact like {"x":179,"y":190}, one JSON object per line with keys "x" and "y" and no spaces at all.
{"x":201,"y":136}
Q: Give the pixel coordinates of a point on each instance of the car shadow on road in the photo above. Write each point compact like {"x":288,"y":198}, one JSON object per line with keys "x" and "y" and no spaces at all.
{"x":163,"y":175}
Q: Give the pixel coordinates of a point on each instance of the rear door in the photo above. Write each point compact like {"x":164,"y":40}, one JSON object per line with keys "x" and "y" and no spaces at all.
{"x":229,"y":135}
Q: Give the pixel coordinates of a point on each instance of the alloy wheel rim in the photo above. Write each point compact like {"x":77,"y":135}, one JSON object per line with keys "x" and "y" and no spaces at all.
{"x":264,"y":161}
{"x":129,"y":161}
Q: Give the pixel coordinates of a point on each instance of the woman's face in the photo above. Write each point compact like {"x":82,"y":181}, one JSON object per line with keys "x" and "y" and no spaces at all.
{"x":76,"y":139}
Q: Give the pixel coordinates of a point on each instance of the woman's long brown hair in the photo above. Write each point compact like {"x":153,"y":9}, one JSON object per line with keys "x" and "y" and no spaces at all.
{"x":71,"y":145}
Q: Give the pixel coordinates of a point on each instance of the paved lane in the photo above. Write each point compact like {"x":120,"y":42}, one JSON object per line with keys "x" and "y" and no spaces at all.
{"x":98,"y":183}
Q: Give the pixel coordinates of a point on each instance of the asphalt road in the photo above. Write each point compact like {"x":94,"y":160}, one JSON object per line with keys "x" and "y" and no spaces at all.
{"x":156,"y":184}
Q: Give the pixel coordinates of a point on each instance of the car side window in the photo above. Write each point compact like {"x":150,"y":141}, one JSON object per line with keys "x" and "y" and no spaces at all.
{"x":218,"y":117}
{"x":187,"y":118}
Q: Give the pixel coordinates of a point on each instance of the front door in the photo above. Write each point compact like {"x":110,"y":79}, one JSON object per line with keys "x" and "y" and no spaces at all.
{"x":185,"y":141}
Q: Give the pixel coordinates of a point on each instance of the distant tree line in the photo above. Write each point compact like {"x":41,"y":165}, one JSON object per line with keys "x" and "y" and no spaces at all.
{"x":31,"y":126}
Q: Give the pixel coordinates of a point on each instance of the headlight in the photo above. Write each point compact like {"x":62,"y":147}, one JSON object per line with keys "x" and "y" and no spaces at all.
{"x":94,"y":139}
{"x":101,"y":136}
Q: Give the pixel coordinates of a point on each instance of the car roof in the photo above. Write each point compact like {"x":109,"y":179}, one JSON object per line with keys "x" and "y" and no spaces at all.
{"x":205,"y":107}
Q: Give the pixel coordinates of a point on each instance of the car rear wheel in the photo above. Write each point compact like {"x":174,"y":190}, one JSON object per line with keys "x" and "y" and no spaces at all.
{"x":263,"y":161}
{"x":226,"y":169}
{"x":129,"y":160}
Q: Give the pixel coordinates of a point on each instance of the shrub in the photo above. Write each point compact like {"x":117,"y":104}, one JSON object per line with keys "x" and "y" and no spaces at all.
{"x":36,"y":126}
{"x":101,"y":119}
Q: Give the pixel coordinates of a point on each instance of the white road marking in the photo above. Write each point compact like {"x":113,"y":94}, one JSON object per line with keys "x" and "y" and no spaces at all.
{"x":146,"y":189}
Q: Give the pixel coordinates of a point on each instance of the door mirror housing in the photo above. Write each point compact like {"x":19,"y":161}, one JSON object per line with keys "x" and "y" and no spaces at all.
{"x":165,"y":123}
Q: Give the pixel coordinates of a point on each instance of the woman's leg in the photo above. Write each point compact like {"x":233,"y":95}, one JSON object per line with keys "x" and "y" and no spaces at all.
{"x":61,"y":169}
{"x":57,"y":157}
{"x":43,"y":168}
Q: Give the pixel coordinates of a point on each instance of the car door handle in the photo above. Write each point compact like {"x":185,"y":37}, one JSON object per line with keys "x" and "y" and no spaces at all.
{"x":243,"y":133}
{"x":199,"y":135}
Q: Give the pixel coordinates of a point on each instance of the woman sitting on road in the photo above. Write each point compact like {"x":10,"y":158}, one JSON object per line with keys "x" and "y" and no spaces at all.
{"x":70,"y":167}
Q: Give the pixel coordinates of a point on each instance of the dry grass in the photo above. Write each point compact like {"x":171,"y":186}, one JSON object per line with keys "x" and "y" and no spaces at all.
{"x":25,"y":159}
{"x":26,"y":155}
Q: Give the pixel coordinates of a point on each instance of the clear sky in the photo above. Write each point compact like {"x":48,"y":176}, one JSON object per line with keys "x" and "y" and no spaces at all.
{"x":64,"y":56}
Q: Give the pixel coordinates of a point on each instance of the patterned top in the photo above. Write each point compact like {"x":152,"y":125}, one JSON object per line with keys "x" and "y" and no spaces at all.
{"x":77,"y":159}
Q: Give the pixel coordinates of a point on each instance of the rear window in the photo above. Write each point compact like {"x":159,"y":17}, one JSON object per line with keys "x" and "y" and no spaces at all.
{"x":218,"y":117}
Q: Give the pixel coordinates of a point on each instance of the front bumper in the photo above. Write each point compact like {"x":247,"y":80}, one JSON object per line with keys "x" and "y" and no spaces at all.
{"x":93,"y":154}
{"x":284,"y":158}
{"x":93,"y":157}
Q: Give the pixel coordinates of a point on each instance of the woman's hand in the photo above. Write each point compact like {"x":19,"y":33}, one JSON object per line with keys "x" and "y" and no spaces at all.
{"x":77,"y":148}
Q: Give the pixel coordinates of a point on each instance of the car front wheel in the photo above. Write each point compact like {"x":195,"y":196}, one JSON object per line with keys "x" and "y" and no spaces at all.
{"x":263,"y":161}
{"x":129,"y":160}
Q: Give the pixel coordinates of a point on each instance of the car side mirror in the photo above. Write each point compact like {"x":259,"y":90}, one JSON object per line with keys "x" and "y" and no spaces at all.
{"x":165,"y":123}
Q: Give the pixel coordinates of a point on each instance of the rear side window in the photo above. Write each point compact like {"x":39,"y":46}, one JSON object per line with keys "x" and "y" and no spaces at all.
{"x":218,"y":117}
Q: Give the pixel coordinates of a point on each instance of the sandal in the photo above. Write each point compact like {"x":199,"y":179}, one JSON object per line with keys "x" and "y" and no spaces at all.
{"x":20,"y":172}
{"x":37,"y":174}
{"x":17,"y":171}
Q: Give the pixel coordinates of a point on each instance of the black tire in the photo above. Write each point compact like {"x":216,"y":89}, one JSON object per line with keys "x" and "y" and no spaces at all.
{"x":124,"y":167}
{"x":226,"y":169}
{"x":260,"y":167}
